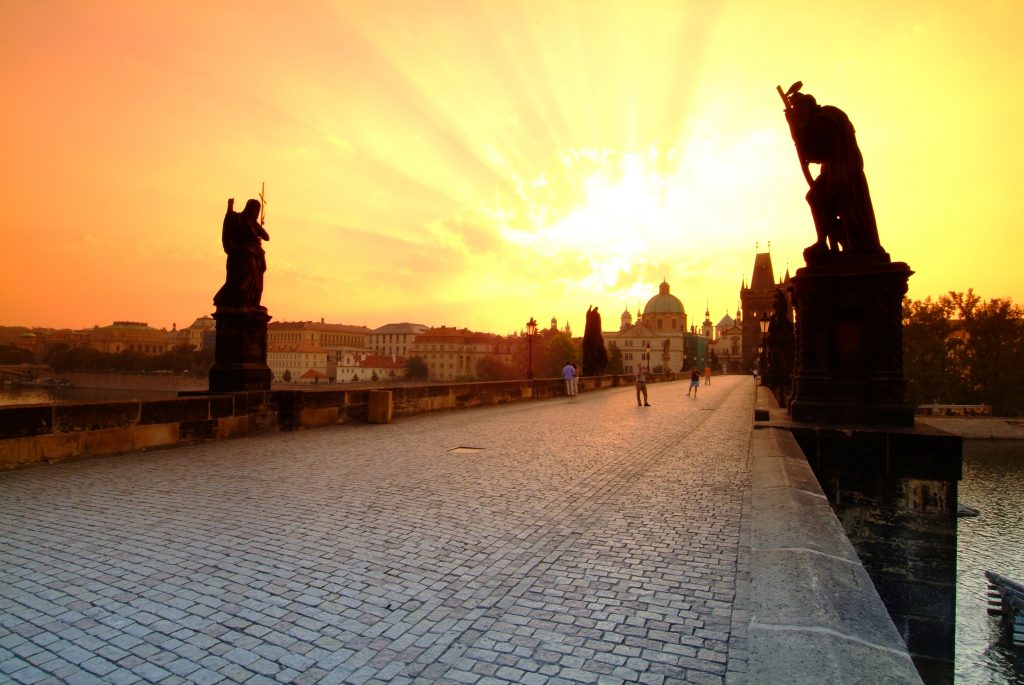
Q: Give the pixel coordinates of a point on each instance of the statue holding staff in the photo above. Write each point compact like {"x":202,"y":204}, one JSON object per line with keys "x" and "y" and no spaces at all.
{"x":839,"y":199}
{"x":241,"y":237}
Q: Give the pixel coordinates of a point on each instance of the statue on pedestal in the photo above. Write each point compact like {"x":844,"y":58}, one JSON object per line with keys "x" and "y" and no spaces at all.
{"x":848,"y":362}
{"x":839,"y":199}
{"x":240,"y":362}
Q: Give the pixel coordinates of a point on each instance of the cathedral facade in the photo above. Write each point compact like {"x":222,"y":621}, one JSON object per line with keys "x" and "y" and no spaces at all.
{"x":658,"y":339}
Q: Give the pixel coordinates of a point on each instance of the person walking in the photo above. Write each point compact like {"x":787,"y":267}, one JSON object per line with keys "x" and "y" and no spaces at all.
{"x":569,"y":374}
{"x":707,"y":374}
{"x":694,"y":382}
{"x":641,"y":385}
{"x":575,"y":379}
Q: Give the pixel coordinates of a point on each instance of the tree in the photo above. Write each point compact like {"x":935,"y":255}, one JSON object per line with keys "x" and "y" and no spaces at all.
{"x":934,"y":374}
{"x":490,"y":368}
{"x":551,"y":352}
{"x":12,"y":354}
{"x":962,"y":350}
{"x":416,"y":369}
{"x":994,"y":351}
{"x":614,"y":360}
{"x":287,"y":376}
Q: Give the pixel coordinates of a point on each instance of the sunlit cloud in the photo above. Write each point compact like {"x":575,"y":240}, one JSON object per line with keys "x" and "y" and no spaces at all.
{"x":474,"y":163}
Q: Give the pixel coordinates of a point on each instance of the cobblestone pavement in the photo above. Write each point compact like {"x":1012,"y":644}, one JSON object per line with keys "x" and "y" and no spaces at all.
{"x":586,"y":540}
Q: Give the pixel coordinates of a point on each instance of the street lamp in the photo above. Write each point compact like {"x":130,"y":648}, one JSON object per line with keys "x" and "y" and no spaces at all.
{"x":763,"y":363}
{"x":647,"y":348}
{"x":531,"y":330}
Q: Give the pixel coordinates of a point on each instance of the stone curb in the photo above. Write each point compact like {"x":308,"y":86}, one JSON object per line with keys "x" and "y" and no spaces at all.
{"x":815,"y":616}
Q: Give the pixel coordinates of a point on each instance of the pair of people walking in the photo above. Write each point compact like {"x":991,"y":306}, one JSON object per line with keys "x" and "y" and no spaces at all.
{"x":641,"y":385}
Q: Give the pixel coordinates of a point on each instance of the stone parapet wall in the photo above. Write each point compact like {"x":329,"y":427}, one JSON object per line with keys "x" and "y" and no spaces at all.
{"x":814,"y":614}
{"x":50,"y":433}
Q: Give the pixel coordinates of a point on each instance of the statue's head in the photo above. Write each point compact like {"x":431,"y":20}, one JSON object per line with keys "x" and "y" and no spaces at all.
{"x":252,"y":209}
{"x":804,"y":105}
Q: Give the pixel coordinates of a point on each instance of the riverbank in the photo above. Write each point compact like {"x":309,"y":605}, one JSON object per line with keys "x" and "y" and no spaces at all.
{"x":978,"y":428}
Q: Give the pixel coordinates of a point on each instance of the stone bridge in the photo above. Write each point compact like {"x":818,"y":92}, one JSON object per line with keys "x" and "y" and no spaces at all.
{"x":564,"y":540}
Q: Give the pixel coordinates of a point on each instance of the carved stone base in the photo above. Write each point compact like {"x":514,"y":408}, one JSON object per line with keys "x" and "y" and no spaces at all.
{"x":849,"y":356}
{"x":241,"y":358}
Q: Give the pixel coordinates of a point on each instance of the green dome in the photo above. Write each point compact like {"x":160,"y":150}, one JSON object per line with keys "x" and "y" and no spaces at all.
{"x":664,"y":302}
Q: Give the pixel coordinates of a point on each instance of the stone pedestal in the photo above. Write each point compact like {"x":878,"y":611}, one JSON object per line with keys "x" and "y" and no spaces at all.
{"x":241,"y":358}
{"x":849,"y":343}
{"x":895,"y":493}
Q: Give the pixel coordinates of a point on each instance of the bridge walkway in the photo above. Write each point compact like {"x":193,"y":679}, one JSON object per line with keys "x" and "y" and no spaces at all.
{"x":574,"y":540}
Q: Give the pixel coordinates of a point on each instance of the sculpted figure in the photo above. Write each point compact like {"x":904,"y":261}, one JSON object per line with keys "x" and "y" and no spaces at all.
{"x":242,"y":237}
{"x":780,"y":340}
{"x":839,"y":198}
{"x":595,"y":356}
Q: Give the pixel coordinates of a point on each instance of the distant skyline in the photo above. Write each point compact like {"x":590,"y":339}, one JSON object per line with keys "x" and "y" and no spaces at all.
{"x":474,"y":163}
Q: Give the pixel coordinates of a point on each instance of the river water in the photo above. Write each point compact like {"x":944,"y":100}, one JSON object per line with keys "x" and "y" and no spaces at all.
{"x":31,"y":394}
{"x":993,"y":482}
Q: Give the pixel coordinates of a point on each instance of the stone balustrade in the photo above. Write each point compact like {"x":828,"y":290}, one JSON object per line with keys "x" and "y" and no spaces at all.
{"x":50,"y":433}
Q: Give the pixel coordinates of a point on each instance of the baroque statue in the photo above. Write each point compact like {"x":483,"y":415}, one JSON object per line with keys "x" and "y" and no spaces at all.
{"x":838,"y":197}
{"x":242,"y":236}
{"x":595,"y":356}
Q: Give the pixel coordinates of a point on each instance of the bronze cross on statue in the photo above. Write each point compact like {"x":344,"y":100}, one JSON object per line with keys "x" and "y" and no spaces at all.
{"x":263,"y":203}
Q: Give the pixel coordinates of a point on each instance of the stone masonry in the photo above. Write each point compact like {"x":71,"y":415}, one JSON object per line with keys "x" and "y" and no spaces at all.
{"x":572,"y":540}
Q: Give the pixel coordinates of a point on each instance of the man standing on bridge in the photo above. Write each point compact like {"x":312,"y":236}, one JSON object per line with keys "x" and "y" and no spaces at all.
{"x":569,"y":374}
{"x":641,"y":385}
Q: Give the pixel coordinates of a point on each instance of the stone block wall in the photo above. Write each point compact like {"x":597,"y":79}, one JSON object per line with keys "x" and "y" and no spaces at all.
{"x":47,"y":434}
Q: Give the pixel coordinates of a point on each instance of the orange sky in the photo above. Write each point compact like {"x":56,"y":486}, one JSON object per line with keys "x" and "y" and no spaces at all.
{"x":476,"y":163}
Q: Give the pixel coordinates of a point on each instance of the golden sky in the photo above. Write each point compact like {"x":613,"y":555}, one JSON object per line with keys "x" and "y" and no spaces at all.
{"x":475,"y":163}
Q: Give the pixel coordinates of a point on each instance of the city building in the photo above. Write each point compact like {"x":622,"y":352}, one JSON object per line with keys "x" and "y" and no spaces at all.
{"x":453,"y":353}
{"x":661,"y":327}
{"x":756,"y":301}
{"x":299,"y":362}
{"x":394,"y":339}
{"x":330,"y":336}
{"x":353,"y":367}
{"x":202,"y":334}
{"x":132,"y":336}
{"x":727,"y":344}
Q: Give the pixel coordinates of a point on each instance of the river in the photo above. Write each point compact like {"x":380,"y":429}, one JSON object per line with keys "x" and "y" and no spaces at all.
{"x":36,"y":394}
{"x":993,"y":482}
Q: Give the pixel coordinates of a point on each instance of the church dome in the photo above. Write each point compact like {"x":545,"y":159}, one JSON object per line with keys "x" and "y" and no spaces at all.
{"x":664,"y":302}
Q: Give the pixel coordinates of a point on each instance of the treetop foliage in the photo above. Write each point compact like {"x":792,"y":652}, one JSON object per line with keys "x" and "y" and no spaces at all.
{"x":961,"y":349}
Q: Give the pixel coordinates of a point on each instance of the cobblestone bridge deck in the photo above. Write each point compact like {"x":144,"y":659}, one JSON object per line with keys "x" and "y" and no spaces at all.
{"x":576,"y":540}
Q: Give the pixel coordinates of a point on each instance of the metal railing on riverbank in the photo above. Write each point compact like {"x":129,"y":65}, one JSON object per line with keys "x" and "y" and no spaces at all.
{"x":1006,"y":599}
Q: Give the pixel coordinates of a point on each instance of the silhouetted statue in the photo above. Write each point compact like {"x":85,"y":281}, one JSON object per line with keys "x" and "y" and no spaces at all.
{"x":241,"y":237}
{"x":781,"y":343}
{"x":839,"y":198}
{"x":595,"y":356}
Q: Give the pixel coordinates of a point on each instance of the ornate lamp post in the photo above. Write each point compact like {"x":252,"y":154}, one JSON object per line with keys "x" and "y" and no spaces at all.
{"x":763,"y":362}
{"x":531,"y":330}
